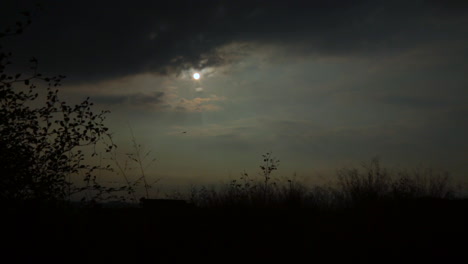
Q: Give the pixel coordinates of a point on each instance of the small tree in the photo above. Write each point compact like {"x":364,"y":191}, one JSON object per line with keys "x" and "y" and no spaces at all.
{"x":42,"y":137}
{"x":269,"y":165}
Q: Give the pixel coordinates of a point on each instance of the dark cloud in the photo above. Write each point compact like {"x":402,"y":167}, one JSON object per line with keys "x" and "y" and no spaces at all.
{"x":95,"y":40}
{"x":135,"y":99}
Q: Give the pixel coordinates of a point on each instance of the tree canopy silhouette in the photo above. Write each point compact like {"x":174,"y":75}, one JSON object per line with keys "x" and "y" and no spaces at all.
{"x":42,"y":138}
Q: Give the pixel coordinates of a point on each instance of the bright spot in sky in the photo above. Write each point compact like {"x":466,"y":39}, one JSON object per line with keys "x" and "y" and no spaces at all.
{"x":196,"y":76}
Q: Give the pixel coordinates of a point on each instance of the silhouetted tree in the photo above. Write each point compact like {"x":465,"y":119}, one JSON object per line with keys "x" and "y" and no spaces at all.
{"x":42,"y":137}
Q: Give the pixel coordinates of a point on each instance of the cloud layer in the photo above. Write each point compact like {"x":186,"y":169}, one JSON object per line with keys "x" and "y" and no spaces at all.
{"x":96,"y":40}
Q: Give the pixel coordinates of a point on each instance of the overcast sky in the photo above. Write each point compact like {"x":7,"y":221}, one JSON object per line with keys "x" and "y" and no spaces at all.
{"x":322,"y":84}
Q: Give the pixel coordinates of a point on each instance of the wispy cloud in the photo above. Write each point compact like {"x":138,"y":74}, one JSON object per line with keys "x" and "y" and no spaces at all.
{"x":416,"y":102}
{"x":199,"y":104}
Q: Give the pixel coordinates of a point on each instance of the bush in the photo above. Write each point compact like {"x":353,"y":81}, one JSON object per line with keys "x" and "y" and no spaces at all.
{"x":356,"y":186}
{"x":374,"y":184}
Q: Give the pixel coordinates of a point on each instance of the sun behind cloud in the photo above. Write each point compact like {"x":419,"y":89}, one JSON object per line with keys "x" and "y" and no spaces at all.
{"x":196,"y":76}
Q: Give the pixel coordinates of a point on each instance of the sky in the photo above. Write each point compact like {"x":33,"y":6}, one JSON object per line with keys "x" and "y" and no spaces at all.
{"x":320,"y":84}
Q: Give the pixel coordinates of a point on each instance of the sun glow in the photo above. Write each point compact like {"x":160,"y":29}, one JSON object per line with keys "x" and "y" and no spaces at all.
{"x":196,"y":76}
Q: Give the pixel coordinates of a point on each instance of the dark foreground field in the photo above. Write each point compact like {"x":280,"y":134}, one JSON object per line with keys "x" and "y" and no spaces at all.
{"x":421,"y":231}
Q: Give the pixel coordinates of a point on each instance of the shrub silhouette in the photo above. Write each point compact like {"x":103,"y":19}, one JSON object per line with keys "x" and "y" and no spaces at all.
{"x":374,"y":184}
{"x":138,"y":157}
{"x":42,"y":137}
{"x":361,"y":187}
{"x":365,"y":187}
